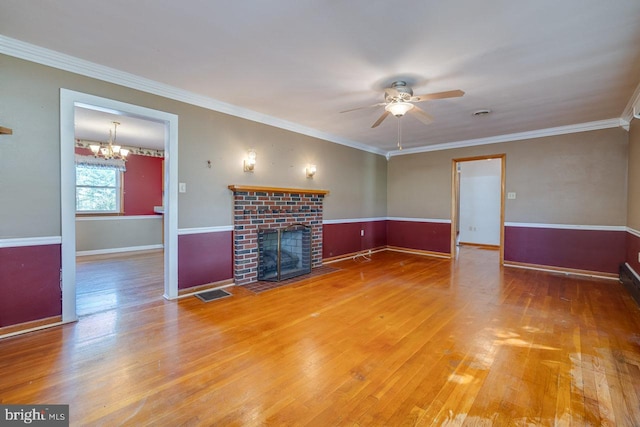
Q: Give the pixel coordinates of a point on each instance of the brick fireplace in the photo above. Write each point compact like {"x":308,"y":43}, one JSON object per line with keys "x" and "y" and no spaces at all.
{"x":271,"y":207}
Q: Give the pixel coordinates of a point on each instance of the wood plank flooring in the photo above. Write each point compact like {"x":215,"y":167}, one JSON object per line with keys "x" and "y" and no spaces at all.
{"x":399,"y":340}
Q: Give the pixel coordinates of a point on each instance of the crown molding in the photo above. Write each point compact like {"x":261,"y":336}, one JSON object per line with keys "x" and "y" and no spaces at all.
{"x":61,"y":61}
{"x":633,"y":106}
{"x":539,"y":133}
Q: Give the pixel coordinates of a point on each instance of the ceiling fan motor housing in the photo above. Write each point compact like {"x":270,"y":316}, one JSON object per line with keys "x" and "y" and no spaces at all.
{"x":399,"y":92}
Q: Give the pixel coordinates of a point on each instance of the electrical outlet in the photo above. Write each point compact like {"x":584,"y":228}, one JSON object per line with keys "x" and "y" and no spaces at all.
{"x":361,"y":233}
{"x":511,"y":195}
{"x":638,"y":256}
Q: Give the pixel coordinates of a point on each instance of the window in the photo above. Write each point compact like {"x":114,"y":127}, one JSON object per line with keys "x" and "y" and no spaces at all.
{"x":98,"y":189}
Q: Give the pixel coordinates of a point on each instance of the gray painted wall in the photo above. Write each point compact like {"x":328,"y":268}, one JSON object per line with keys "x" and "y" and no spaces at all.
{"x":30,"y":158}
{"x":93,"y":234}
{"x":577,"y":178}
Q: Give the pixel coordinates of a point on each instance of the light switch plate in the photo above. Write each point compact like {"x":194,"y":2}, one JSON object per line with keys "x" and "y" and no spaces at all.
{"x":182,"y":187}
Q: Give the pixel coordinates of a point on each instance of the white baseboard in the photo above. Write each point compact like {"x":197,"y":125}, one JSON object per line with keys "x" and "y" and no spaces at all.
{"x":118,"y":250}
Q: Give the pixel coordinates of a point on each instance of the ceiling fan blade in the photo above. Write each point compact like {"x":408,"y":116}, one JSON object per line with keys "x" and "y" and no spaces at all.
{"x":438,"y":95}
{"x":362,"y":108}
{"x":421,"y":115}
{"x":380,"y":119}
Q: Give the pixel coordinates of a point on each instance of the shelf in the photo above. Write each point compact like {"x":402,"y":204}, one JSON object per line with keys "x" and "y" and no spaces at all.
{"x":236,"y":188}
{"x":5,"y":131}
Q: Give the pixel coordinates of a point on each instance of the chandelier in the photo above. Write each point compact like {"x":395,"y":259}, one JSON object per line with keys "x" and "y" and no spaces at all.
{"x":110,"y":150}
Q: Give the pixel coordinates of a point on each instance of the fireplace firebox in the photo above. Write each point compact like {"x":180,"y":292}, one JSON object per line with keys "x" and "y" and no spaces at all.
{"x":284,"y":253}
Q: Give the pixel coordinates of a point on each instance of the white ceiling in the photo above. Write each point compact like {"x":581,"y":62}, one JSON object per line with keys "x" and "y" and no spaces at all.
{"x":94,"y":125}
{"x":536,"y":64}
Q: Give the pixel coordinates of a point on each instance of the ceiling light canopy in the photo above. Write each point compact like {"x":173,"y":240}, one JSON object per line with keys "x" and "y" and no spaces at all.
{"x":398,"y":109}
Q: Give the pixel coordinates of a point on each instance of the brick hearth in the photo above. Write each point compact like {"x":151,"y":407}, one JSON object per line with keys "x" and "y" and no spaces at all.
{"x":269,"y":207}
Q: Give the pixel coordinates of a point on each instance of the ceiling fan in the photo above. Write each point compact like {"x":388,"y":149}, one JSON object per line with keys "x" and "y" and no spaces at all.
{"x":399,"y":100}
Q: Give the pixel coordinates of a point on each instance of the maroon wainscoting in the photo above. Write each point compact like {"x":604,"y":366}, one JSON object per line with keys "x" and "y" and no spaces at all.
{"x":633,"y":248}
{"x":424,"y":236}
{"x":591,"y":250}
{"x":345,"y":238}
{"x":204,"y":258}
{"x":29,"y":283}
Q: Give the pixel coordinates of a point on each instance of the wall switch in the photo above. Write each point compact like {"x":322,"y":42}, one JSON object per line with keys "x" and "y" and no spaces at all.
{"x":182,"y":187}
{"x":361,"y":233}
{"x":511,"y":195}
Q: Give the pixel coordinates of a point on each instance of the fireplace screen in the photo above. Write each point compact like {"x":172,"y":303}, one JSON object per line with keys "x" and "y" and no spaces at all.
{"x":284,"y":253}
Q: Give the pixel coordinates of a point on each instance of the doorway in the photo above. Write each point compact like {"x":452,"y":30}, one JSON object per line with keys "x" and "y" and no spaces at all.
{"x":119,"y":203}
{"x":69,"y":100}
{"x":477,"y":208}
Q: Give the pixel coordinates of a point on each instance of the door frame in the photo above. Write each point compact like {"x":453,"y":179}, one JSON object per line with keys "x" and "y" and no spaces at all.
{"x":455,"y":194}
{"x":68,"y":101}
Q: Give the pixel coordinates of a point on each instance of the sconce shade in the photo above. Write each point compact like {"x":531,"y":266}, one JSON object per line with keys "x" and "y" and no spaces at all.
{"x":311,"y":171}
{"x":250,"y":161}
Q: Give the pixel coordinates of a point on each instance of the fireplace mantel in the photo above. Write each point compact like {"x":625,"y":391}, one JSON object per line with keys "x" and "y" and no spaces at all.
{"x":236,"y":188}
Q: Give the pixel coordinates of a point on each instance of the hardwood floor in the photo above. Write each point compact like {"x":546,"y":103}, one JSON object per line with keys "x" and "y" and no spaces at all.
{"x":399,"y":340}
{"x":108,"y":282}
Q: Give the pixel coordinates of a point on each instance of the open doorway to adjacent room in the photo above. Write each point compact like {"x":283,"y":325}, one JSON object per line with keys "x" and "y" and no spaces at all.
{"x":119,"y":210}
{"x":108,"y":231}
{"x":478,"y":205}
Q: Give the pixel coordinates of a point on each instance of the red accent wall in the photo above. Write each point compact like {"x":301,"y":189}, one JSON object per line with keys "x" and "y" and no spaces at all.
{"x":29,"y":283}
{"x":633,"y":248}
{"x":424,"y":236}
{"x":592,"y":250}
{"x":142,"y":183}
{"x":204,"y":258}
{"x":345,"y":238}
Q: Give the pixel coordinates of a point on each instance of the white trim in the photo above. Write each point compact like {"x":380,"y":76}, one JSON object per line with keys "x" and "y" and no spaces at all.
{"x":118,"y":250}
{"x":51,"y":58}
{"x":633,"y":231}
{"x":68,"y":101}
{"x":567,"y":226}
{"x":540,"y":133}
{"x":635,"y":273}
{"x":633,"y":106}
{"x":116,"y":217}
{"x":385,"y":218}
{"x":30,"y":241}
{"x":436,"y":220}
{"x":558,"y":271}
{"x":36,"y":328}
{"x":202,"y":230}
{"x":353,"y":220}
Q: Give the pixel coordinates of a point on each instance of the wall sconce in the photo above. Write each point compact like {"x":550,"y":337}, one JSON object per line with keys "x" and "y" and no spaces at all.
{"x":250,"y":161}
{"x":311,"y":171}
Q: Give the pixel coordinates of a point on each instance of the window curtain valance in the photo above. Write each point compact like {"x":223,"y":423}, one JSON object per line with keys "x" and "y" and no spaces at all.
{"x":99,"y":162}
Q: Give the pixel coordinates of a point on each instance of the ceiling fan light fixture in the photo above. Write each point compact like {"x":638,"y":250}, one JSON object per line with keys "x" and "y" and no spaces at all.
{"x":398,"y":109}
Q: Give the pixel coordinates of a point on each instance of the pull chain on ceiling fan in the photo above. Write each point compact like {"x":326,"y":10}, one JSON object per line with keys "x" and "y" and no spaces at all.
{"x":399,"y":135}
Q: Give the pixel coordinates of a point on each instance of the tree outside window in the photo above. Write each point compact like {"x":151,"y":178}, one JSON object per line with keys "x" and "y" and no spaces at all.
{"x":97,"y":189}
